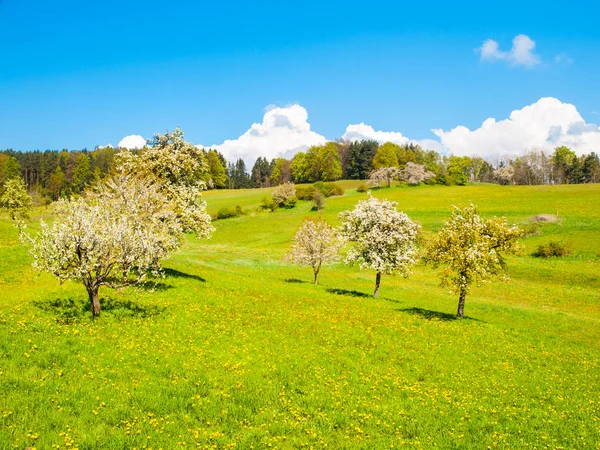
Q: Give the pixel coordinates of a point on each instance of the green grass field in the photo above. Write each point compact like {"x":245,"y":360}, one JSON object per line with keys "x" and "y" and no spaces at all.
{"x":236,"y":348}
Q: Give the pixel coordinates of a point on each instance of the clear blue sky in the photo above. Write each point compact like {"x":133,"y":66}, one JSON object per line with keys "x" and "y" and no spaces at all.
{"x":75,"y":74}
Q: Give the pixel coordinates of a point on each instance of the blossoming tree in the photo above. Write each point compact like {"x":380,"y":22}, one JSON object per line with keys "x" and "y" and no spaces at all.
{"x":471,"y":250}
{"x":315,"y":244}
{"x":384,"y":239}
{"x":116,"y":233}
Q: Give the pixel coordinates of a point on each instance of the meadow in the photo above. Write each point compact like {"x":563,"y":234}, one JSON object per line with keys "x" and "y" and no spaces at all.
{"x":235,"y":348}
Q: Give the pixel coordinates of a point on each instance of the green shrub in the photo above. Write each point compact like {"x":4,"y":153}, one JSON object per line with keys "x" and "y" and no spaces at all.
{"x":289,"y":203}
{"x":269,"y":203}
{"x":318,"y":201}
{"x":531,"y":229}
{"x":329,"y":189}
{"x":305,"y":192}
{"x":226,"y":213}
{"x":553,"y":249}
{"x":362,"y":188}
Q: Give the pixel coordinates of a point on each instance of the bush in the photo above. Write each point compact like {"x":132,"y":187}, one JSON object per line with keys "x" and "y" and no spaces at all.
{"x":531,"y":229}
{"x":329,"y":189}
{"x":269,"y":203}
{"x":362,"y":188}
{"x":305,"y":192}
{"x":318,"y":201}
{"x":226,"y":213}
{"x":553,"y":249}
{"x":285,"y":195}
{"x":289,"y":203}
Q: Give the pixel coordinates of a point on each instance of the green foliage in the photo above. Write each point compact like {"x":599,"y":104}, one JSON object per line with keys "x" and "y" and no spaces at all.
{"x":386,"y":156}
{"x":362,"y":188}
{"x":9,"y":169}
{"x":553,"y":249}
{"x":458,"y":169}
{"x":360,"y":159}
{"x":218,"y":172}
{"x":229,"y":212}
{"x":305,"y":192}
{"x":269,"y":204}
{"x":15,"y":199}
{"x":329,"y":189}
{"x":328,"y":163}
{"x":318,"y":201}
{"x":471,"y":250}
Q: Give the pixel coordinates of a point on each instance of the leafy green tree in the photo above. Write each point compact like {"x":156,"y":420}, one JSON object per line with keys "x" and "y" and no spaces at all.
{"x":407,"y":153}
{"x":386,"y":156}
{"x":458,"y":169}
{"x":56,"y":183}
{"x":15,"y":199}
{"x":591,"y":168}
{"x":471,"y":250}
{"x":281,"y":172}
{"x":218,"y":173}
{"x":328,"y":162}
{"x":301,"y":168}
{"x":562,"y":158}
{"x":9,"y":168}
{"x":82,"y":173}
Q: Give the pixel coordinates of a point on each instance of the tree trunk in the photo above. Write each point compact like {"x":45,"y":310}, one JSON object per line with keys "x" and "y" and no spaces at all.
{"x":461,"y":304}
{"x":316,"y":276}
{"x":377,"y":283}
{"x":94,"y":301}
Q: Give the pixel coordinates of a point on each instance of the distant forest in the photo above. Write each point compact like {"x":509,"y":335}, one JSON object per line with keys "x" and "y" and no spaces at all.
{"x":52,"y":174}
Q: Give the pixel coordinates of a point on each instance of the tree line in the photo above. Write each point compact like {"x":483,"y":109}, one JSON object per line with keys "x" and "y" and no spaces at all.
{"x":54,"y":174}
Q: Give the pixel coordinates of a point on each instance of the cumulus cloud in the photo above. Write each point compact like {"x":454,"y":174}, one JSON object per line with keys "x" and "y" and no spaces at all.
{"x":546,"y":124}
{"x":283,"y":132}
{"x":361,"y":132}
{"x":132,"y":141}
{"x":521,"y":53}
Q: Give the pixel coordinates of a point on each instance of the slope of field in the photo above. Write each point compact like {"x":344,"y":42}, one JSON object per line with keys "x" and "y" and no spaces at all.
{"x":236,"y":348}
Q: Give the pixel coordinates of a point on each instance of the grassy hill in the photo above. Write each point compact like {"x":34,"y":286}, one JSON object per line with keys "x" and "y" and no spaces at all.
{"x":236,"y":348}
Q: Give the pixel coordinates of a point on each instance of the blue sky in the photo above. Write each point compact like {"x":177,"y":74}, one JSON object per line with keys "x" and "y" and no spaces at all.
{"x":77,"y":74}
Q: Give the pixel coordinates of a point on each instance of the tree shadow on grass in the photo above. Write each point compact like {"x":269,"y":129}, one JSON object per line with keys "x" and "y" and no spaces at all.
{"x":69,"y":310}
{"x":434,"y":315}
{"x":349,"y":293}
{"x":151,"y":286}
{"x":177,"y":274}
{"x":294,"y":280}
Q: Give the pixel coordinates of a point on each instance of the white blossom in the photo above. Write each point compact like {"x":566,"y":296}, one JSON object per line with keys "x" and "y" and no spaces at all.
{"x":315,"y":244}
{"x":384,"y":239}
{"x":414,"y":174}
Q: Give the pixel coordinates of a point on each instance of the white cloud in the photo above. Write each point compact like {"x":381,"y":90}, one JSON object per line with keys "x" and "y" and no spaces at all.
{"x":521,"y":53}
{"x":284,"y":132}
{"x":132,"y":141}
{"x":546,"y":124}
{"x":361,"y":132}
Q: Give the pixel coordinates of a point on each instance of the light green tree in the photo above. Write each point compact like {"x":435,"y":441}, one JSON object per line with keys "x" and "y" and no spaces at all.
{"x":386,"y":156}
{"x":471,"y":250}
{"x":328,"y":162}
{"x":15,"y":199}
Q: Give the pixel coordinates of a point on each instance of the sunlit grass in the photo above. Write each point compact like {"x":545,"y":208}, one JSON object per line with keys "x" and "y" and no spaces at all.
{"x":236,"y":347}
